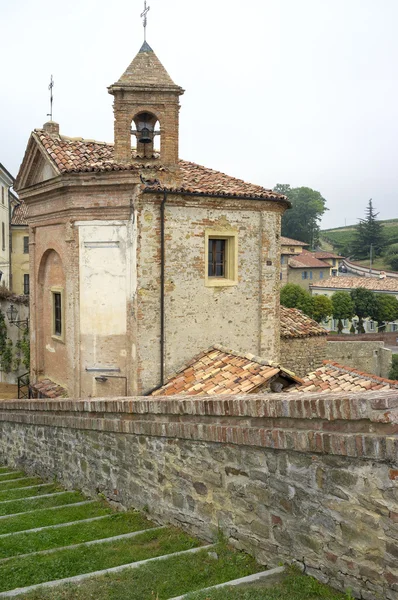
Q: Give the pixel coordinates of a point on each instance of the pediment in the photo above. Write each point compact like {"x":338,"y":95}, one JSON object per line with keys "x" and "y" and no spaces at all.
{"x":36,"y":166}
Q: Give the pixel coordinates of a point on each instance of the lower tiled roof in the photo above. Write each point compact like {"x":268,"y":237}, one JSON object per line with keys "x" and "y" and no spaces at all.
{"x":307,"y":259}
{"x":75,"y":155}
{"x":333,"y":377}
{"x":295,"y":324}
{"x":285,"y":241}
{"x":385,"y":284}
{"x":48,"y":389}
{"x":223,"y":371}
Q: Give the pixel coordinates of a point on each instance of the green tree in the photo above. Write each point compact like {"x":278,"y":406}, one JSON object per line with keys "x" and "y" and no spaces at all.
{"x":392,"y":256}
{"x":369,"y":234}
{"x":301,"y":222}
{"x":385,"y":309}
{"x":393,"y":374}
{"x":365,"y":305}
{"x":323,"y":308}
{"x":343,"y":308}
{"x":294,"y":296}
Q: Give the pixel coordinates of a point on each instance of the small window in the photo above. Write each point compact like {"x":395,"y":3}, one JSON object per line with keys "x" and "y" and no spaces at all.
{"x":310,"y":274}
{"x":217,"y":258}
{"x":334,"y":262}
{"x":3,"y":236}
{"x":221,"y":256}
{"x":320,"y":274}
{"x":281,"y":276}
{"x":2,"y":194}
{"x":282,"y":260}
{"x":26,"y":244}
{"x":26,"y":284}
{"x":304,"y":275}
{"x":57,"y":313}
{"x":292,"y":250}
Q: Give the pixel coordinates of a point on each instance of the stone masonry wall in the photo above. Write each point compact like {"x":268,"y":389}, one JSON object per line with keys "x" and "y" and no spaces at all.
{"x":312,"y":480}
{"x":303,"y":355}
{"x":370,"y":357}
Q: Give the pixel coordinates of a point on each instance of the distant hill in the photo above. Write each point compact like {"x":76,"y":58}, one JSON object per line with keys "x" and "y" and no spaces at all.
{"x":340,"y":239}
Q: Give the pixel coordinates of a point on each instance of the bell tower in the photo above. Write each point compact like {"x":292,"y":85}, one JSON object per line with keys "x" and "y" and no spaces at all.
{"x":146,"y":109}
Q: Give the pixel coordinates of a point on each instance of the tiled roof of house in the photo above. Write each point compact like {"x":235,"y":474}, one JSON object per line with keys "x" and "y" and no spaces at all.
{"x":307,"y":259}
{"x":323,"y":254}
{"x":48,"y":389}
{"x":72,"y":155}
{"x":19,"y":214}
{"x":333,"y":377}
{"x":387,"y":284}
{"x":223,"y":371}
{"x":285,"y":241}
{"x":295,"y":324}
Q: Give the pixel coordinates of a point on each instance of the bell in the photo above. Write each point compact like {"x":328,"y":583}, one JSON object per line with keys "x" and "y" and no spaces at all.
{"x":145,"y":135}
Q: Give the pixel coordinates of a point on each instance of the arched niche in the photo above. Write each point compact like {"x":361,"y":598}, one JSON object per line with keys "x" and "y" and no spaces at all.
{"x":146,"y":135}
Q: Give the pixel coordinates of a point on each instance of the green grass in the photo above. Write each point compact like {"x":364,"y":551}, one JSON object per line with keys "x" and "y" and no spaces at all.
{"x":115,"y":524}
{"x":294,"y":587}
{"x":10,"y":485}
{"x":159,"y":580}
{"x":21,"y":572}
{"x":19,"y":506}
{"x":45,"y":518}
{"x":5,"y":469}
{"x":27,"y":493}
{"x":7,"y":476}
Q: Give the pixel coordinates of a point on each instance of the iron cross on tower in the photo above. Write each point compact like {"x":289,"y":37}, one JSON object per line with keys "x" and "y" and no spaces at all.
{"x":50,"y":87}
{"x":144,"y":17}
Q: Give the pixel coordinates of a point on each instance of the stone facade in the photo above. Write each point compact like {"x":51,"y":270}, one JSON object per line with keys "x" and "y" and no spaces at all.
{"x":313,"y":480}
{"x":303,"y":355}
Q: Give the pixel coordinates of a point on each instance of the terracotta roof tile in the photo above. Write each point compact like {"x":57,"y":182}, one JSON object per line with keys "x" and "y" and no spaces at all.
{"x":75,"y":155}
{"x":339,"y":378}
{"x":295,"y":324}
{"x":388,"y":284}
{"x":285,"y":241}
{"x":252,"y":373}
{"x":322,"y":254}
{"x":19,"y":214}
{"x":306,"y":259}
{"x":48,"y":389}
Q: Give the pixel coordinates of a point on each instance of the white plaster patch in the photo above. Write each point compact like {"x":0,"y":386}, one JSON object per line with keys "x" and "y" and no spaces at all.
{"x":50,"y":348}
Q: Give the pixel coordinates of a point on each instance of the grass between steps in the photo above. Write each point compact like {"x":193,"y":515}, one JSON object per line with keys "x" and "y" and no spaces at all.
{"x":295,"y":586}
{"x":21,"y":572}
{"x":20,"y":506}
{"x":53,"y":517}
{"x":6,"y":470}
{"x":159,"y":580}
{"x":9,"y":476}
{"x":13,"y":484}
{"x":115,"y":524}
{"x":36,"y":490}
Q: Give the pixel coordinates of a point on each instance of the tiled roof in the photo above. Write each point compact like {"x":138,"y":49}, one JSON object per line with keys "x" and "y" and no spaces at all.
{"x":48,"y":389}
{"x":333,"y":377}
{"x":295,"y":324}
{"x":387,"y":284}
{"x":323,"y":254}
{"x":223,"y":371}
{"x":72,"y":155}
{"x":19,"y":214}
{"x":306,"y":259}
{"x":285,"y":241}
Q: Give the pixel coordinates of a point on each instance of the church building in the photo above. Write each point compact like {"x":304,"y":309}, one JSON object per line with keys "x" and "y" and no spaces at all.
{"x":139,"y":259}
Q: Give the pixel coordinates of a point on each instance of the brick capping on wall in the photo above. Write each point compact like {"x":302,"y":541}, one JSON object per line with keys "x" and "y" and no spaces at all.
{"x":364,"y":426}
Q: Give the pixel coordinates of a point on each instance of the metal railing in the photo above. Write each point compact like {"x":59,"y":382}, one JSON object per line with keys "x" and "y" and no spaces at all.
{"x":23,"y":386}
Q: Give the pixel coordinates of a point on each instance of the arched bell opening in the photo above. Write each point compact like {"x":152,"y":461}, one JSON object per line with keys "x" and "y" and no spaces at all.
{"x":145,"y":137}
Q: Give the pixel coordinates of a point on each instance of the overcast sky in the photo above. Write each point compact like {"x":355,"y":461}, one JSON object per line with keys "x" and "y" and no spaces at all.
{"x":277,"y":91}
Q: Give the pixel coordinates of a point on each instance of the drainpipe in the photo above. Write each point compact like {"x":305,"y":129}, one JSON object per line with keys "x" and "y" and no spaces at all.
{"x":162,"y":272}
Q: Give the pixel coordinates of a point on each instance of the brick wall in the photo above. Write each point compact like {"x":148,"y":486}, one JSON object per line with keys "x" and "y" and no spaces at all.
{"x":309,"y":479}
{"x":390,"y":339}
{"x":303,"y":355}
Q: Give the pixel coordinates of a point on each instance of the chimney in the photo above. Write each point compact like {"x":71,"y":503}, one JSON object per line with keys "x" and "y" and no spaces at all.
{"x":51,"y":127}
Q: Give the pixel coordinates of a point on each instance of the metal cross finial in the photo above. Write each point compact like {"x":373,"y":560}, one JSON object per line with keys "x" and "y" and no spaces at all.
{"x":50,"y":87}
{"x":144,"y":17}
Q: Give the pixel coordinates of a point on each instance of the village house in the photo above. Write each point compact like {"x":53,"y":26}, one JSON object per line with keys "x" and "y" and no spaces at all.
{"x":138,"y":259}
{"x":19,"y":250}
{"x":7,"y":201}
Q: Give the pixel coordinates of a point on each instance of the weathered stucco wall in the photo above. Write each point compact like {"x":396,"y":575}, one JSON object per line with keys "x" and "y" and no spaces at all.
{"x":244,"y":316}
{"x":311,"y":479}
{"x":370,"y":357}
{"x":303,"y":355}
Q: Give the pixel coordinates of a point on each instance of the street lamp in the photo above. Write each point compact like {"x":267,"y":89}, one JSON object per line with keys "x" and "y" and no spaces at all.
{"x":12,"y":315}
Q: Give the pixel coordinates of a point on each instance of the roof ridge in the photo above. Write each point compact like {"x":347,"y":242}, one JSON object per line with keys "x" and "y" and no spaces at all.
{"x":369,"y":376}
